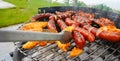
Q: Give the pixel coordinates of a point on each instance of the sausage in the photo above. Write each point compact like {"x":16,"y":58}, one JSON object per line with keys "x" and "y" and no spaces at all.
{"x":53,"y":17}
{"x":87,"y":35}
{"x":106,"y":35}
{"x":91,"y":29}
{"x":79,"y":39}
{"x":61,"y":24}
{"x":63,"y":15}
{"x":39,"y":16}
{"x":51,"y":25}
{"x":88,"y":15}
{"x":70,"y":22}
{"x":104,"y":22}
{"x":109,"y":36}
{"x":82,"y":20}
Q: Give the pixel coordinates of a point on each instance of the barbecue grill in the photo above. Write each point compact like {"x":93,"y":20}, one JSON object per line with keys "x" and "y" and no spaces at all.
{"x":100,"y":50}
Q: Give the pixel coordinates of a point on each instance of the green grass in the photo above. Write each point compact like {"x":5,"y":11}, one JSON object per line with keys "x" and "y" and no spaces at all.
{"x":23,"y":11}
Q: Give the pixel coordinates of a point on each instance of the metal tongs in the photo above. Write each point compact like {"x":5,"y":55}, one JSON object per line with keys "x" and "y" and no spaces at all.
{"x":20,"y":36}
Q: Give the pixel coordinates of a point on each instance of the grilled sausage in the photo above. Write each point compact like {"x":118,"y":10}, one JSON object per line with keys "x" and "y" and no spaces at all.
{"x":40,"y":16}
{"x":51,"y":25}
{"x":82,"y":20}
{"x":104,"y":22}
{"x":90,"y":29}
{"x":79,"y":39}
{"x":70,"y":22}
{"x":87,"y":35}
{"x":61,"y":24}
{"x":107,"y":35}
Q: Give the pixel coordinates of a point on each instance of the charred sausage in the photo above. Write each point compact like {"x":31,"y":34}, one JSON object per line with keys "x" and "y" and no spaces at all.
{"x":51,"y":25}
{"x":79,"y":39}
{"x":70,"y":22}
{"x":61,"y":24}
{"x":87,"y":35}
{"x":40,"y":16}
{"x":107,"y":35}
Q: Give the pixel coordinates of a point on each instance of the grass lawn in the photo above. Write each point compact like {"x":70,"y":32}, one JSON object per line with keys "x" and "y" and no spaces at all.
{"x":23,"y":11}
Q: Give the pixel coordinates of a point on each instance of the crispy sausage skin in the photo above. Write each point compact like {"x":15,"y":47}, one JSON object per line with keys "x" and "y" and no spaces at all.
{"x":39,"y":16}
{"x":51,"y":25}
{"x":91,"y":29}
{"x":70,"y":22}
{"x":82,"y":20}
{"x":107,"y":35}
{"x":61,"y":24}
{"x":110,"y":36}
{"x":79,"y":39}
{"x":87,"y":35}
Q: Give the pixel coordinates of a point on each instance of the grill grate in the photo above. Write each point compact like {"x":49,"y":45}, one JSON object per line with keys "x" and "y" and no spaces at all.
{"x":100,"y":50}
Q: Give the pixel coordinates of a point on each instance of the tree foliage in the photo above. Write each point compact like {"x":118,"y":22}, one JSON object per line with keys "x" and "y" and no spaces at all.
{"x":67,"y":2}
{"x":75,"y":3}
{"x":102,"y":7}
{"x":81,"y":4}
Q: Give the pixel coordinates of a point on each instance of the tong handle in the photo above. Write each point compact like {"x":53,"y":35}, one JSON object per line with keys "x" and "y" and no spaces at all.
{"x":19,"y":36}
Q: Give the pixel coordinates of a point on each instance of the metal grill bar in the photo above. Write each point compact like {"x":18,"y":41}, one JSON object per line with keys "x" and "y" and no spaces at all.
{"x":92,"y":53}
{"x":116,"y":57}
{"x":101,"y":53}
{"x":111,"y":54}
{"x":41,"y":51}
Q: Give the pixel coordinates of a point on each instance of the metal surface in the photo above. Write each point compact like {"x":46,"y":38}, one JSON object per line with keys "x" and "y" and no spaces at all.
{"x":19,"y":35}
{"x":100,"y":50}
